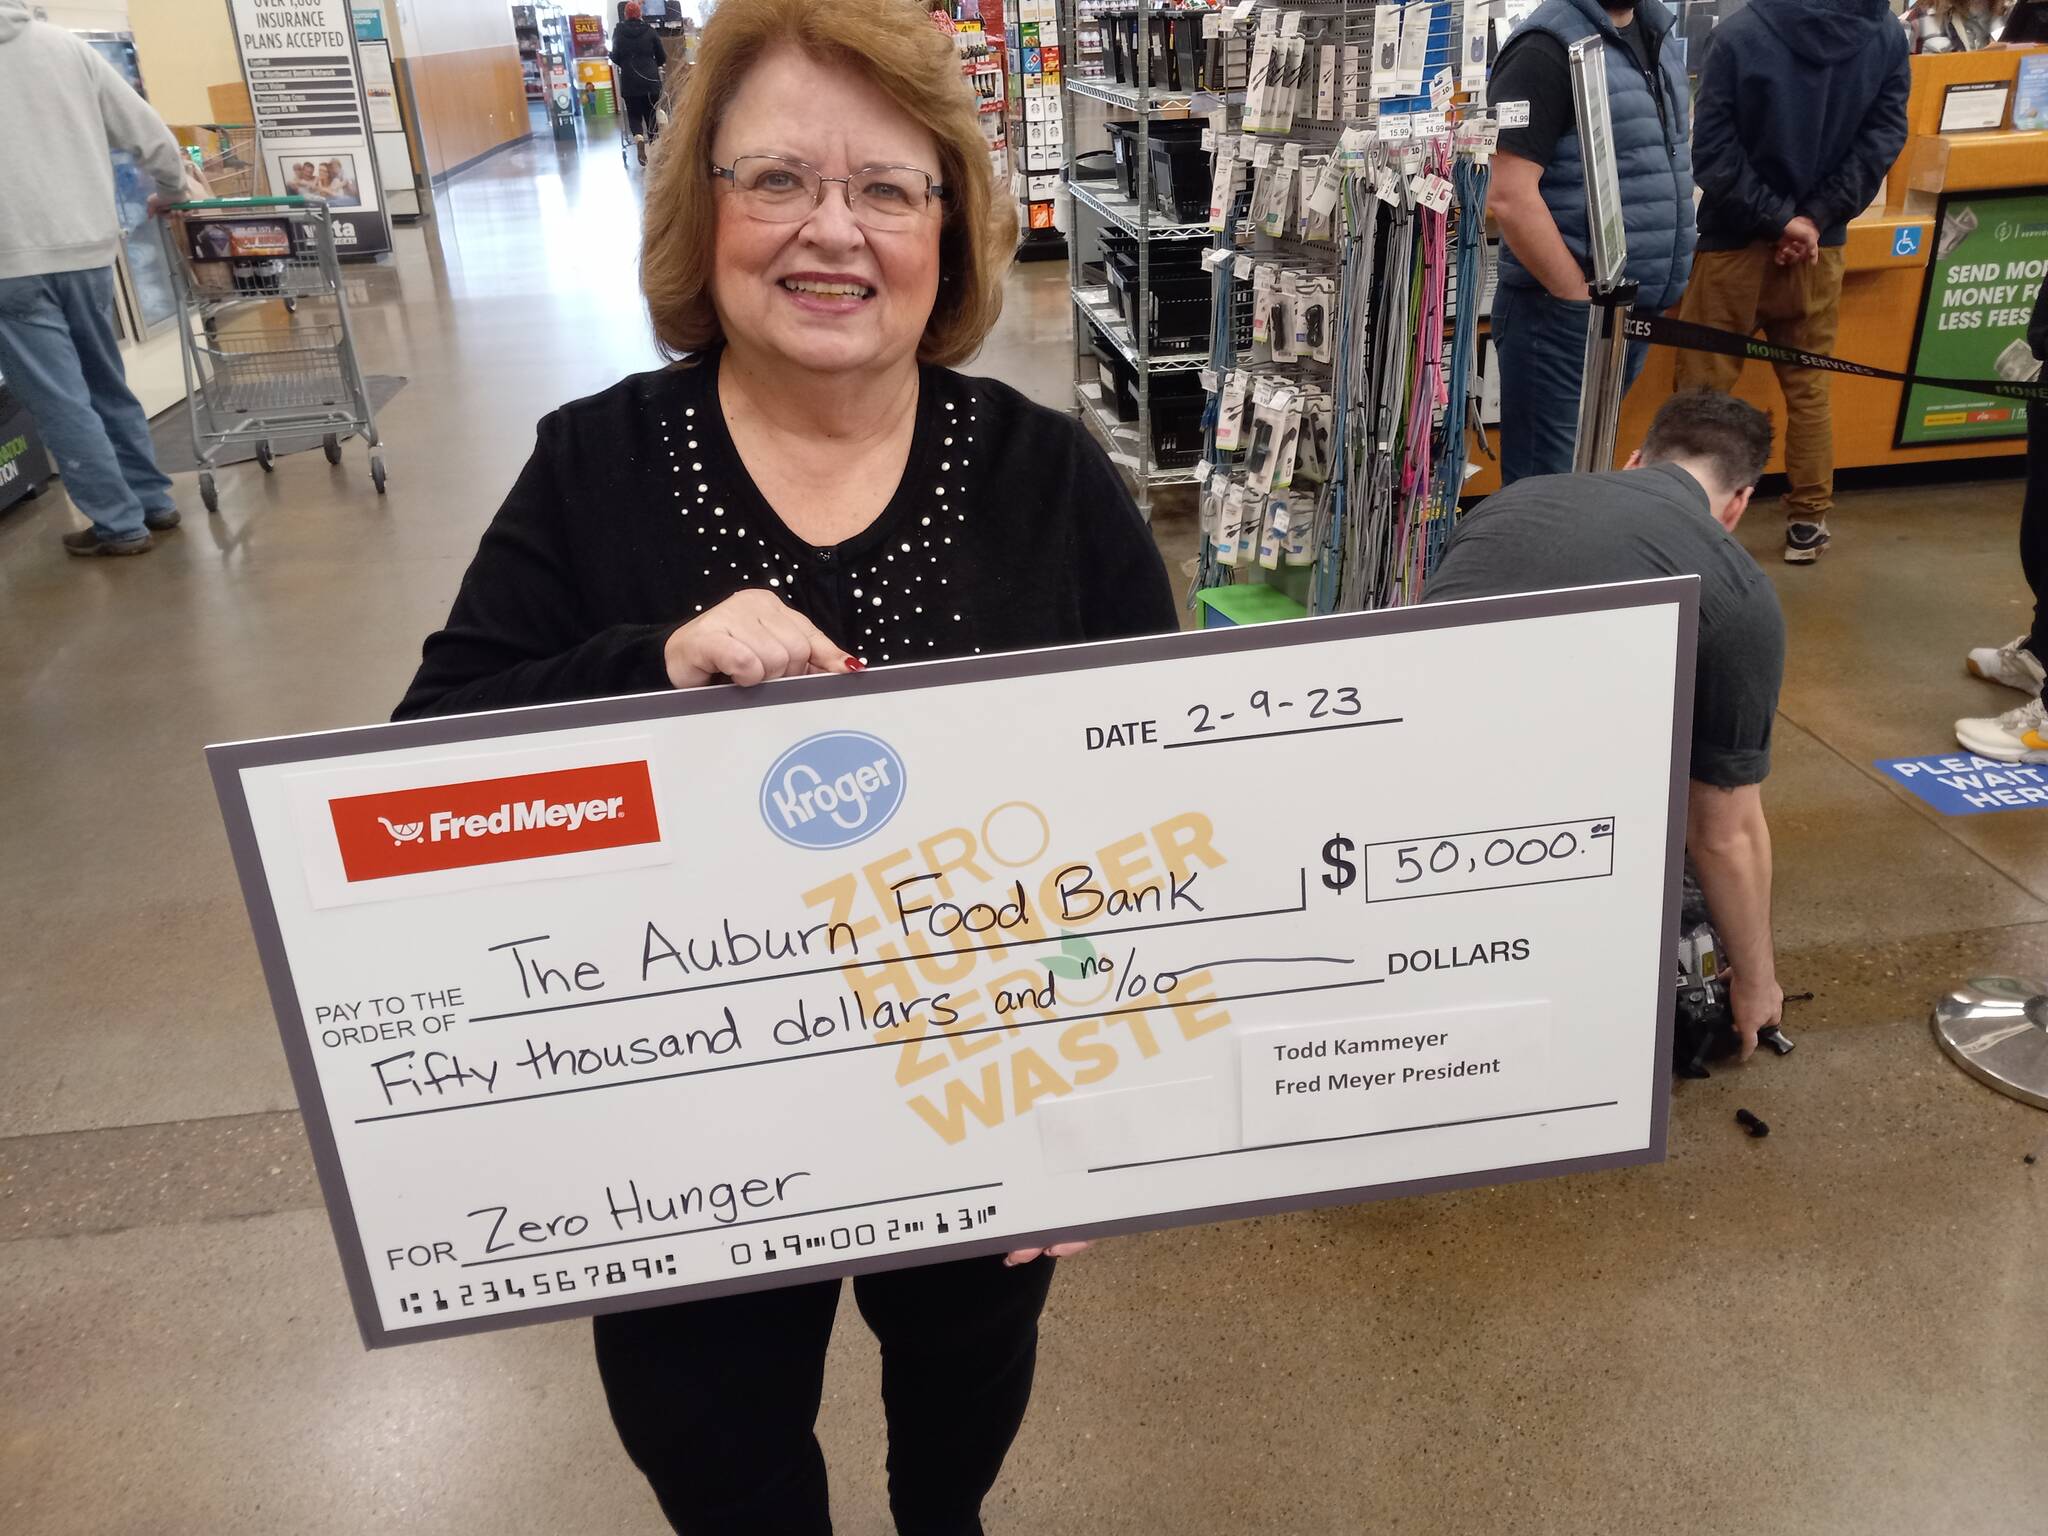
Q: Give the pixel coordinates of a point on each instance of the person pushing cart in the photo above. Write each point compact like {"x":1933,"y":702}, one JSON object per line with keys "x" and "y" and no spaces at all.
{"x":247,"y":378}
{"x":639,"y":59}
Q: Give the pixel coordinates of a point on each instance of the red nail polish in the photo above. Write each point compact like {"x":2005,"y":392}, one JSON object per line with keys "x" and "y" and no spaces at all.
{"x":855,"y":664}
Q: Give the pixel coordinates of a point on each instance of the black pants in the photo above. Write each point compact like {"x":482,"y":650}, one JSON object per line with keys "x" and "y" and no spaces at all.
{"x":640,"y":114}
{"x":715,"y":1400}
{"x":2034,"y":528}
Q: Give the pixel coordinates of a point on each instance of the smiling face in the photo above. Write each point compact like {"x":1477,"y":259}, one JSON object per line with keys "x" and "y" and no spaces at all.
{"x":822,"y":293}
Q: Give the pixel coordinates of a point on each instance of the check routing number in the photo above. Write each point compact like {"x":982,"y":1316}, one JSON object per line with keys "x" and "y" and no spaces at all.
{"x":591,"y":1006}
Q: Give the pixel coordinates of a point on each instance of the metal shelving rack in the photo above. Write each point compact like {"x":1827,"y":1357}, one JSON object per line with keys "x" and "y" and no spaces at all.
{"x":1130,"y":444}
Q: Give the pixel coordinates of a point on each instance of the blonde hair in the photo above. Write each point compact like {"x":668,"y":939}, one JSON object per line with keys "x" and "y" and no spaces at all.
{"x":894,"y":45}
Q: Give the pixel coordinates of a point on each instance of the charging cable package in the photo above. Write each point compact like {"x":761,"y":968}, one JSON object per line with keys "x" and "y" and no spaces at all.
{"x":1287,"y":417}
{"x":1262,"y":451}
{"x":1303,"y":512}
{"x":1279,"y":192}
{"x":1264,"y":277}
{"x":1274,"y":533}
{"x":1230,"y":411}
{"x":1215,"y":486}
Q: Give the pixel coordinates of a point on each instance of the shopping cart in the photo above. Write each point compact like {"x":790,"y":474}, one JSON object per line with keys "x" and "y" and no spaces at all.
{"x":625,"y":122}
{"x":230,"y":163}
{"x":264,"y":330}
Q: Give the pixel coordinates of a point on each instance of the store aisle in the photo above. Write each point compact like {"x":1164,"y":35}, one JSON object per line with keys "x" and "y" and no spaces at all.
{"x":1855,"y":1301}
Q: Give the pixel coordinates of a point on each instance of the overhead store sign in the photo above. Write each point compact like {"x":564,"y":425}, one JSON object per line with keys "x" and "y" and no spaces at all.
{"x":305,"y":84}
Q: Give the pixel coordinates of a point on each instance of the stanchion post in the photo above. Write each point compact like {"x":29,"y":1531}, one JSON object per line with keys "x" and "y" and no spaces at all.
{"x":1607,"y":257}
{"x":1600,"y":380}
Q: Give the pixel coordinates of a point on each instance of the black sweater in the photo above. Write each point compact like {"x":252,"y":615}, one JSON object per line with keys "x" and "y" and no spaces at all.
{"x":1009,"y":530}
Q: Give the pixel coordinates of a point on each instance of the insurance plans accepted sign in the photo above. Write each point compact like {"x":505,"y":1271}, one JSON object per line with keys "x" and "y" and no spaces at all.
{"x":305,"y":79}
{"x":599,"y":1005}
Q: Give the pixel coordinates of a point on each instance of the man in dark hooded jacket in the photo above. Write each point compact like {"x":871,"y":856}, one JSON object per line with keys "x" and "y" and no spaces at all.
{"x":640,"y":58}
{"x":1800,"y":114}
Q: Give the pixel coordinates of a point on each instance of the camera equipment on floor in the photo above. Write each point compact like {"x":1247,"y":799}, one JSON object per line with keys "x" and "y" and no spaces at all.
{"x":1703,"y":1024}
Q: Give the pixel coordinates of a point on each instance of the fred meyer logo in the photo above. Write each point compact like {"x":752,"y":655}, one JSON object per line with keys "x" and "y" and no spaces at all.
{"x":494,"y":821}
{"x":832,"y":790}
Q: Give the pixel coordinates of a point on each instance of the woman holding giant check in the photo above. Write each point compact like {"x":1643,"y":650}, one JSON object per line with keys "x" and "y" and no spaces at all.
{"x":812,"y":489}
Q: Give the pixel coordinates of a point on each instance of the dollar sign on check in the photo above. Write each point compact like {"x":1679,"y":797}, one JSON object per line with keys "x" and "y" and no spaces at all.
{"x":1342,"y":871}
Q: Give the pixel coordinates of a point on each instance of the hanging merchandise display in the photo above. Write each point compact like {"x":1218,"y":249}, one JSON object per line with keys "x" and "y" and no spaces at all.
{"x":977,"y":32}
{"x":526,"y":37}
{"x":1037,"y":112}
{"x":546,"y":52}
{"x":1348,"y":206}
{"x":1140,"y":223}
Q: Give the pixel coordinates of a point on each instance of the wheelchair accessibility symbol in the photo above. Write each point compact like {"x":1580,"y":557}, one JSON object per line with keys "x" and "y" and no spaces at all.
{"x":1906,"y":241}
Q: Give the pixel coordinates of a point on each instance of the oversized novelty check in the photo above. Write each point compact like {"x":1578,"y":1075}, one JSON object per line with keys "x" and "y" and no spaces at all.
{"x":598,"y":1005}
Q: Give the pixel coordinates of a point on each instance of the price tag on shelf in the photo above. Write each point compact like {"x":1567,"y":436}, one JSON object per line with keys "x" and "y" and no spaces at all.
{"x":1262,"y":155}
{"x":1479,"y":137}
{"x":1242,"y":267}
{"x":1396,"y":127}
{"x":1513,"y":114}
{"x":1428,"y":125}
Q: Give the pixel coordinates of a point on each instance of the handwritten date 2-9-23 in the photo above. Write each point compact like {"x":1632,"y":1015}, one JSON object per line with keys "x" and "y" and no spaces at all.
{"x":1302,"y":709}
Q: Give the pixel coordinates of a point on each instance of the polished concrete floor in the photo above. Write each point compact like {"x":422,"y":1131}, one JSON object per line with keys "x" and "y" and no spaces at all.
{"x":1839,"y":1329}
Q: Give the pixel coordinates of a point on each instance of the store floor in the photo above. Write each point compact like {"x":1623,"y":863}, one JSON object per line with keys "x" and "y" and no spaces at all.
{"x":1838,"y":1329}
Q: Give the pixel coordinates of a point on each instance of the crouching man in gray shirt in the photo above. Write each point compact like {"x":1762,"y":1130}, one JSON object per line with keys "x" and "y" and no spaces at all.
{"x":1672,"y":512}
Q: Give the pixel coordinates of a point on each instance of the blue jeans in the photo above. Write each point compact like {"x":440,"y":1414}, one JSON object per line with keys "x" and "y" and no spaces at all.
{"x":58,"y":353}
{"x":1541,"y":342}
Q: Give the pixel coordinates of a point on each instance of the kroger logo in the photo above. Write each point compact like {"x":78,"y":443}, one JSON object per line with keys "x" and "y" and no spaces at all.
{"x":832,"y":790}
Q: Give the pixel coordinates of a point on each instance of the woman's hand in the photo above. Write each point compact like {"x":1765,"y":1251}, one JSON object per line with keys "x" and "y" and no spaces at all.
{"x":1056,"y":1251}
{"x":750,"y":637}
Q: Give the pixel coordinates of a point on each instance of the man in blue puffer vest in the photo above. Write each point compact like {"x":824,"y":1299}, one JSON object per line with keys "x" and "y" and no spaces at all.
{"x":1538,"y":198}
{"x":1802,"y":110}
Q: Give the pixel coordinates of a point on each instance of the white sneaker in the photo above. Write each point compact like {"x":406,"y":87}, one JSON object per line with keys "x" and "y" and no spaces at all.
{"x":2011,"y":664}
{"x":2017,"y":736}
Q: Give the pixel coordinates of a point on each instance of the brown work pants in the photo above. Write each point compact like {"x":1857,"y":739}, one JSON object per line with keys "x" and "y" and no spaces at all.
{"x":1746,"y":291}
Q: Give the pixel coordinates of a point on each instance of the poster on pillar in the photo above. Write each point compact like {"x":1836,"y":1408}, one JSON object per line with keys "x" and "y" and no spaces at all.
{"x":305,"y":79}
{"x":1989,"y":261}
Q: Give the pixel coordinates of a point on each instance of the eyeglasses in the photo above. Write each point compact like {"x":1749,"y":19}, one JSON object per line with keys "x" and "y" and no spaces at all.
{"x":781,"y":191}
